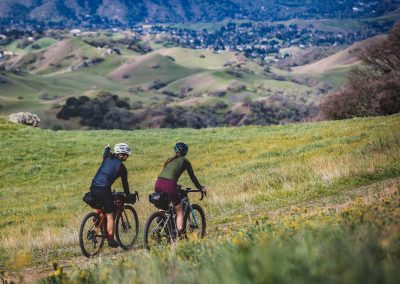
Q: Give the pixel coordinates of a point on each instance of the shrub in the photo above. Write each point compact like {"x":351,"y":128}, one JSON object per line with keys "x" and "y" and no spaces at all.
{"x":236,"y":87}
{"x":217,"y":93}
{"x":56,"y":127}
{"x":35,"y":46}
{"x":158,"y":84}
{"x":137,"y":105}
{"x":106,"y":111}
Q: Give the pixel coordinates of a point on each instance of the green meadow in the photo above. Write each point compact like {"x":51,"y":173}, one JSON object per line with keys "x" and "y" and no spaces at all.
{"x":273,"y":209}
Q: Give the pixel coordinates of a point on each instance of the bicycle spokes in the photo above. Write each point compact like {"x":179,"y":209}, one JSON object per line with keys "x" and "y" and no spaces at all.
{"x":91,"y":236}
{"x":127,"y":227}
{"x":195,"y":223}
{"x":125,"y":221}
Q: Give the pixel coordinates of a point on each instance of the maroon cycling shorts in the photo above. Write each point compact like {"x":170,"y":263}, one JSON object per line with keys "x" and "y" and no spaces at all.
{"x":170,"y":187}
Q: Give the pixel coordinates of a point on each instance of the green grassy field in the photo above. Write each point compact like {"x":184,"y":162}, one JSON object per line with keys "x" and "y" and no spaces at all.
{"x":260,"y":180}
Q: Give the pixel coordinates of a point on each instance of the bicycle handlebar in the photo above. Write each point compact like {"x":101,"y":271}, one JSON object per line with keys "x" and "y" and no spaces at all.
{"x":121,"y":195}
{"x":188,"y":189}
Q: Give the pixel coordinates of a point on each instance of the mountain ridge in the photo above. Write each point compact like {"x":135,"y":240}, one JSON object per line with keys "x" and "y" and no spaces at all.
{"x":127,"y":12}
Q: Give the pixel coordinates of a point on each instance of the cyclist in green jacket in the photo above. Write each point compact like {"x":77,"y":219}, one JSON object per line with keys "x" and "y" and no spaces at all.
{"x":168,"y":178}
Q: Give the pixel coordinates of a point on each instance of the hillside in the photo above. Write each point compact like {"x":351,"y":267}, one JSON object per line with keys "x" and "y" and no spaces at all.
{"x":275,"y":184}
{"x":58,"y":56}
{"x":42,"y":79}
{"x":111,"y":13}
{"x":169,"y":77}
{"x":343,"y":59}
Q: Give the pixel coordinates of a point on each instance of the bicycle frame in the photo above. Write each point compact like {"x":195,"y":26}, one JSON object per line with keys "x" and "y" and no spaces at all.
{"x":188,"y":206}
{"x":119,"y":205}
{"x":171,"y":218}
{"x":161,"y":226}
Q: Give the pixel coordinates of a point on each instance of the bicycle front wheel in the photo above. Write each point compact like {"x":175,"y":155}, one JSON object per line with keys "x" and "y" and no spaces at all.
{"x":91,"y":235}
{"x":156,"y":231}
{"x":127,"y":227}
{"x":194,"y":222}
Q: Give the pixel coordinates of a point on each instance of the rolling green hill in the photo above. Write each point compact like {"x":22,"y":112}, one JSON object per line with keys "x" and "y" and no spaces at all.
{"x":285,"y":202}
{"x":41,"y":79}
{"x":197,"y":84}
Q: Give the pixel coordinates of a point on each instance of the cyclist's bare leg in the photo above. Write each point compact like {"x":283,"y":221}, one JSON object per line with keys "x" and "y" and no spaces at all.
{"x":110,"y":224}
{"x":179,"y":216}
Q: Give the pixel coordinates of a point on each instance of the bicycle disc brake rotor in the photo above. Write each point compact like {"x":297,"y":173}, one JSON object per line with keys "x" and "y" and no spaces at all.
{"x":126,"y":227}
{"x":91,"y":235}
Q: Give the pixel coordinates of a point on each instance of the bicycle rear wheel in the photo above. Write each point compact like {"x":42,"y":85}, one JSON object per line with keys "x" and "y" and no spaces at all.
{"x":91,"y":235}
{"x":194,"y":222}
{"x":156,"y":231}
{"x":127,"y":227}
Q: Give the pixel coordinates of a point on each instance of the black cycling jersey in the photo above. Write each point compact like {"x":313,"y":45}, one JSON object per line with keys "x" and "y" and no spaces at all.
{"x":110,"y":169}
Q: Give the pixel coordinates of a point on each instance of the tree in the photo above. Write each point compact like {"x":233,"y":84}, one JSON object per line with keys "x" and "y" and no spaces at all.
{"x":374,"y":88}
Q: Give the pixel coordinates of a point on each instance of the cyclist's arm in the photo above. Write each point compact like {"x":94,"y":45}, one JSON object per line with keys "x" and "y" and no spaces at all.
{"x":124,"y":178}
{"x":106,"y":151}
{"x":188,"y":167}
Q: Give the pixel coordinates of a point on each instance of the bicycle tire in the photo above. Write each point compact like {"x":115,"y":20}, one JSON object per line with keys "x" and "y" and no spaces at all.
{"x":90,"y":217}
{"x":187,"y":220}
{"x":147,"y":237}
{"x":118,"y":221}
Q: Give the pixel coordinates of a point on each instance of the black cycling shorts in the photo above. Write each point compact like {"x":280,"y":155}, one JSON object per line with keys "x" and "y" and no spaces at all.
{"x":105,"y":196}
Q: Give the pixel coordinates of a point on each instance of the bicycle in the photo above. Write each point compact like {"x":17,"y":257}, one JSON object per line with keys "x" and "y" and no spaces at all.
{"x":93,"y":230}
{"x":161,"y":229}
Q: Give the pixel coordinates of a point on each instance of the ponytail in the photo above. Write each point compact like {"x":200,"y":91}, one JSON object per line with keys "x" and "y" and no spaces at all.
{"x":170,"y":160}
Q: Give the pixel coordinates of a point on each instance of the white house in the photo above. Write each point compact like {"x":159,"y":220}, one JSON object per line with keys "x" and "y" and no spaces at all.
{"x":75,"y":32}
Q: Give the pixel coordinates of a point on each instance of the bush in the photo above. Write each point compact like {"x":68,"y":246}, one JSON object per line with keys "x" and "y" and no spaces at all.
{"x":236,"y":87}
{"x":217,"y":93}
{"x":158,"y":84}
{"x":137,"y":105}
{"x":23,"y":43}
{"x":35,"y":46}
{"x":106,"y":111}
{"x":56,"y":127}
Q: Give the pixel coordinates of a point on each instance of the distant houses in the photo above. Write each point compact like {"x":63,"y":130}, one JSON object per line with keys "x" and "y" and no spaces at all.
{"x":6,"y":54}
{"x":75,"y":32}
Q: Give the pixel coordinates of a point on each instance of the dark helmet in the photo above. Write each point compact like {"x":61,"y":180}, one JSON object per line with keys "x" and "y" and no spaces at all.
{"x":181,"y":148}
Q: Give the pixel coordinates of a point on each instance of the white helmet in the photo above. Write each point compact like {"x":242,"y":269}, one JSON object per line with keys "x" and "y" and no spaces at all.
{"x":122,"y":148}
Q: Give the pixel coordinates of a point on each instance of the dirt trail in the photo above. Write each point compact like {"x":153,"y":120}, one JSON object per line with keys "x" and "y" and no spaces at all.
{"x":337,"y":202}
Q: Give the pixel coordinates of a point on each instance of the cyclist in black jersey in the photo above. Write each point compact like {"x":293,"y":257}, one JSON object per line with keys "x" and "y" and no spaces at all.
{"x":111,"y":168}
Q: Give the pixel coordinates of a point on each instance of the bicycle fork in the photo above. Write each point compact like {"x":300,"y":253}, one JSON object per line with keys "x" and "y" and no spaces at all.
{"x":193,"y":215}
{"x":125,"y":225}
